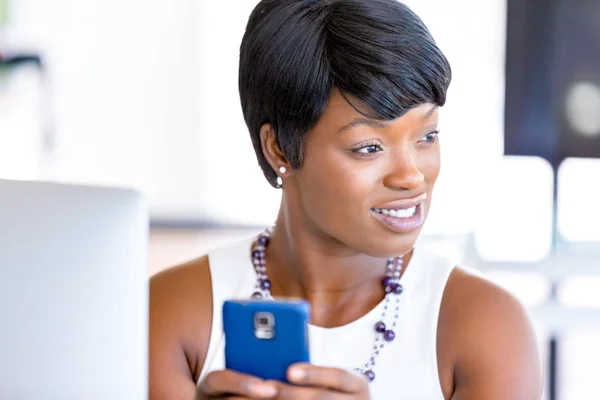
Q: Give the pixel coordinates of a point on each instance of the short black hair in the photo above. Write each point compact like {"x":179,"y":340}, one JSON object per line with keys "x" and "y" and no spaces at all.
{"x":295,"y":52}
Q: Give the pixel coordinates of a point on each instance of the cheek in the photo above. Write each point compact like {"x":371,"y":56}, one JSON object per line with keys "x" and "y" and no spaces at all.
{"x":331,"y":179}
{"x":430,"y":166}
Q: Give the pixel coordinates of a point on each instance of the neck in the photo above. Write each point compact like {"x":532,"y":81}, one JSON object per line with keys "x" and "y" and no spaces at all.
{"x":340,"y":283}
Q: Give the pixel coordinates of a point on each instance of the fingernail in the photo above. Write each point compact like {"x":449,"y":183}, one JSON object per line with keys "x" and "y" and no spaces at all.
{"x":265,"y":390}
{"x":297,"y":374}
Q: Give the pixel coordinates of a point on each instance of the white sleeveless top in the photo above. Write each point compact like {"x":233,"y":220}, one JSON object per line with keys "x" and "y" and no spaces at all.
{"x":406,"y":368}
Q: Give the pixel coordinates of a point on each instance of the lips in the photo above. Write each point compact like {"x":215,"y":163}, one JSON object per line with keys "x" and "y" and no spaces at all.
{"x":400,"y":220}
{"x":402,"y":204}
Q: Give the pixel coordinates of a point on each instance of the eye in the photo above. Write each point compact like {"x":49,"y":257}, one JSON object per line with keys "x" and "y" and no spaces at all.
{"x":368,"y":150}
{"x":431,"y":137}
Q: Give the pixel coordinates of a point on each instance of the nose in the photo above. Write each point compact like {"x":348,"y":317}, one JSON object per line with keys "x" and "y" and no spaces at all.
{"x":404,"y":173}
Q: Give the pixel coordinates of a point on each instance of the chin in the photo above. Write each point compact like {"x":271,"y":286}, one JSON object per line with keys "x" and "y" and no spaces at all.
{"x":393,"y":245}
{"x":378,"y":240}
{"x":380,"y":243}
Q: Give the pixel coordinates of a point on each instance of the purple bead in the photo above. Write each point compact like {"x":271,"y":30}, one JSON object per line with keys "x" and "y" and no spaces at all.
{"x":389,"y":335}
{"x":263,"y":241}
{"x":265,"y":284}
{"x":386,"y":281}
{"x":397,"y":288}
{"x":380,"y":327}
{"x":370,"y":375}
{"x":256,"y":254}
{"x":257,"y":295}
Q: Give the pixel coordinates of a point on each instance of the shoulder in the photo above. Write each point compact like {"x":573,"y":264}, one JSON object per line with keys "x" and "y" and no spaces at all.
{"x":487,"y":339}
{"x":181,"y":314}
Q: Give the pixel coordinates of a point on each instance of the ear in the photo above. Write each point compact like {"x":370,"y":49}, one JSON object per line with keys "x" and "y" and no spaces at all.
{"x":272,"y":151}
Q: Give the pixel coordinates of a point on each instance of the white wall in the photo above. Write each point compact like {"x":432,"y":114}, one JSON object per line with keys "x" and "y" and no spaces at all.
{"x":236,"y":189}
{"x":125,"y":77}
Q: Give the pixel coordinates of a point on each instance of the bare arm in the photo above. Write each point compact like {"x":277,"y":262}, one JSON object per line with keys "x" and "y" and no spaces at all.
{"x":497,"y":353}
{"x":180,"y":324}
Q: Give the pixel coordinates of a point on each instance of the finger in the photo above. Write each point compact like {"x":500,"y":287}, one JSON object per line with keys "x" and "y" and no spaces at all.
{"x":222,"y":383}
{"x":291,"y":392}
{"x":329,"y":378}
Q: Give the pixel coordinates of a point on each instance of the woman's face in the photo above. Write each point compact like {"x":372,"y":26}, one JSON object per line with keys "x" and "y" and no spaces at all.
{"x":368,"y":183}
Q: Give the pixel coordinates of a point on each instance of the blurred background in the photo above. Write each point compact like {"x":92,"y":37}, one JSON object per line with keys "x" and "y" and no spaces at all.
{"x":143,"y":94}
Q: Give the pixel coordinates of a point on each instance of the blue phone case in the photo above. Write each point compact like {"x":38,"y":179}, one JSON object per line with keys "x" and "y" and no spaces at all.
{"x":253,"y":347}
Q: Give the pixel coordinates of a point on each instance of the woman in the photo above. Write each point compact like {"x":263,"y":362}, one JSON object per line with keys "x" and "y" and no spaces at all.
{"x":341,"y":99}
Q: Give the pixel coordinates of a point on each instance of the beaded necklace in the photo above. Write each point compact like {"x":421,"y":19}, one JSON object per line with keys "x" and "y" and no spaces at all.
{"x":391,"y":283}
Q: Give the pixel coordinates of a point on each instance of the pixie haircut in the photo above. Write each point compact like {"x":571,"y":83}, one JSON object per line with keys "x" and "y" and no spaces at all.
{"x":295,"y":52}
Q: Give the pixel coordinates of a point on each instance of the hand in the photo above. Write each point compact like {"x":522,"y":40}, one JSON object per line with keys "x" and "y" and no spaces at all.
{"x":235,"y":386}
{"x":312,"y":382}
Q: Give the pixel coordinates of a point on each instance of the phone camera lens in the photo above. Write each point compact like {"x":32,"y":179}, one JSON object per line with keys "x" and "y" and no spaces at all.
{"x":264,"y":325}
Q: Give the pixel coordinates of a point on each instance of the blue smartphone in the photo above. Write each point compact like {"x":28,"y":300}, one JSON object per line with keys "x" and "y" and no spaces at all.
{"x":263,"y":338}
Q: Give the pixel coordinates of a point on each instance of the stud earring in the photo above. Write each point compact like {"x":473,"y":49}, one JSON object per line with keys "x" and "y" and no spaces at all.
{"x":282,"y":170}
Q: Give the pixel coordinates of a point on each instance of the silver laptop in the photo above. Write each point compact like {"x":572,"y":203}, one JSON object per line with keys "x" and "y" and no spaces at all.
{"x":73,"y":292}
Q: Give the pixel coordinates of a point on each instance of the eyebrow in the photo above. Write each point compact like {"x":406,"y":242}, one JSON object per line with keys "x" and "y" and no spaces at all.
{"x":375,"y":123}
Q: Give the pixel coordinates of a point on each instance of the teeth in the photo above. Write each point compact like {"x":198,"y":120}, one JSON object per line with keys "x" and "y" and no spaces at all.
{"x":397,"y":213}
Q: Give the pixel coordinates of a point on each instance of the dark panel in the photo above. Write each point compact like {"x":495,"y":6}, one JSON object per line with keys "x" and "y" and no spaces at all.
{"x":551,"y":44}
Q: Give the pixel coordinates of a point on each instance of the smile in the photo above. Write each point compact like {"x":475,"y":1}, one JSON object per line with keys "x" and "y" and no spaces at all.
{"x":405,"y":220}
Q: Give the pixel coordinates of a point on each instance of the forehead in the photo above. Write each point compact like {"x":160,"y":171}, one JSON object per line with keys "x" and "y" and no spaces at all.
{"x":339,"y":113}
